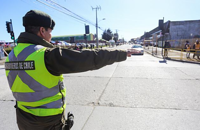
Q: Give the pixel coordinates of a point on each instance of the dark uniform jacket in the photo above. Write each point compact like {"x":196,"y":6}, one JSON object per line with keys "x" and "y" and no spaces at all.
{"x":61,"y":61}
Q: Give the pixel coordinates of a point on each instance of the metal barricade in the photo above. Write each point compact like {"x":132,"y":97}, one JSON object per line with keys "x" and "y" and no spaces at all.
{"x":174,"y":53}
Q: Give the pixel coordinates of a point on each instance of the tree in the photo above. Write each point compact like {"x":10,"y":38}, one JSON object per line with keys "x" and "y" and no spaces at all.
{"x":116,"y":37}
{"x":104,"y":35}
{"x":107,"y":35}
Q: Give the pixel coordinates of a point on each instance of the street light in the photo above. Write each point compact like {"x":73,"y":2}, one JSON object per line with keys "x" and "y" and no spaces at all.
{"x":102,"y":19}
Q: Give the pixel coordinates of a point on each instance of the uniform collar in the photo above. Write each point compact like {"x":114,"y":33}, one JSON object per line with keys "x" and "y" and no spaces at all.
{"x":26,"y":37}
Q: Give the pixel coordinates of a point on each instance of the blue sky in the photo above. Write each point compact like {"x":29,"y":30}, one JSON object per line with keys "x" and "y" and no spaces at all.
{"x":131,"y":18}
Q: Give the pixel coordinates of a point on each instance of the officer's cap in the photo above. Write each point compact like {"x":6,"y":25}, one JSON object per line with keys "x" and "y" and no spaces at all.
{"x":38,"y":18}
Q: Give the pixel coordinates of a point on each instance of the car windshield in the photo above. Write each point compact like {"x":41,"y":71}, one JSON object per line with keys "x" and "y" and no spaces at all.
{"x":137,"y":46}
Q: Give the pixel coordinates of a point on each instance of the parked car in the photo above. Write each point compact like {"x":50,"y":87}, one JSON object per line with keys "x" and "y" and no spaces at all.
{"x":2,"y":44}
{"x":12,"y":45}
{"x":68,"y":44}
{"x":7,"y":44}
{"x":53,"y":42}
{"x":137,"y":49}
{"x":81,"y":44}
{"x":61,"y":43}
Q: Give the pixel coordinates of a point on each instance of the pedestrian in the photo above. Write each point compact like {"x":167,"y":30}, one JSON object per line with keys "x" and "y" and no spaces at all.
{"x":91,"y":46}
{"x":81,"y":47}
{"x":196,"y":46}
{"x":186,"y":43}
{"x":76,"y":47}
{"x":166,"y":48}
{"x":34,"y":71}
{"x":188,"y":50}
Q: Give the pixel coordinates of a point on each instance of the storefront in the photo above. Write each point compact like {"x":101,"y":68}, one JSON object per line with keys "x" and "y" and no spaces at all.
{"x":74,"y":38}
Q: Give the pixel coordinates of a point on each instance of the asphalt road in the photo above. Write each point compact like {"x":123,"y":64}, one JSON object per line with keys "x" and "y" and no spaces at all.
{"x":141,"y":93}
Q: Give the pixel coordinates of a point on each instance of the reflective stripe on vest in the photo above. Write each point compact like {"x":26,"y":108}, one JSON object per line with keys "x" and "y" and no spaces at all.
{"x":30,"y":92}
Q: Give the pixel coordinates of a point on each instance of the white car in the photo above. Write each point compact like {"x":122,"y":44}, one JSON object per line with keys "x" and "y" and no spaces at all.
{"x":81,"y":44}
{"x":67,"y":44}
{"x":12,"y":45}
{"x":137,"y":49}
{"x":63,"y":43}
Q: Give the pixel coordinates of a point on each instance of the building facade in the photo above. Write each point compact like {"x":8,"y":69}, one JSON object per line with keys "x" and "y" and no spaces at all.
{"x":184,"y":29}
{"x":74,"y":38}
{"x":176,"y":31}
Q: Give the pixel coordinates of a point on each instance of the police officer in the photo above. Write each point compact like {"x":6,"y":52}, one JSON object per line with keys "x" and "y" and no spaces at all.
{"x":34,"y":71}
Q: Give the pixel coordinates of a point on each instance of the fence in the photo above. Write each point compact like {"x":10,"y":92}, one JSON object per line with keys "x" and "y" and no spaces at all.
{"x":174,"y":53}
{"x":179,"y":43}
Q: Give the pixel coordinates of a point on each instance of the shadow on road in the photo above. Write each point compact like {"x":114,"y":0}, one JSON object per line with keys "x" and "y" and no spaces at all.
{"x":163,"y":61}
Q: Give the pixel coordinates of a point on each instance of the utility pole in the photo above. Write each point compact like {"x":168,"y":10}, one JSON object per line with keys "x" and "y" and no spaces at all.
{"x":161,"y":28}
{"x":97,"y":41}
{"x":163,"y":34}
{"x":116,"y":37}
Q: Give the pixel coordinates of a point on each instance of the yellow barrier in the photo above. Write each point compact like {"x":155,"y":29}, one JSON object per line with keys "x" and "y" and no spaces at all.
{"x":174,"y":53}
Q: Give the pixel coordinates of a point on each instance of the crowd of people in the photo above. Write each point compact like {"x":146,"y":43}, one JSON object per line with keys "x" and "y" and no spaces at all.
{"x":80,"y":47}
{"x":195,"y":47}
{"x":187,"y":48}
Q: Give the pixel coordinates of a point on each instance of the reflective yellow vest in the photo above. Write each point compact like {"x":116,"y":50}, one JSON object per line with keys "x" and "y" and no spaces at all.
{"x":35,"y":89}
{"x":197,"y":46}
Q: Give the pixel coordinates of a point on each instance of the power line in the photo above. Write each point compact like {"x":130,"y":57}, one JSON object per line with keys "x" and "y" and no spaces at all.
{"x":38,"y":4}
{"x":71,"y":12}
{"x":60,"y":10}
{"x":76,"y":16}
